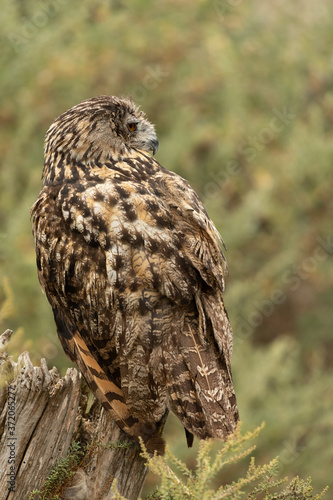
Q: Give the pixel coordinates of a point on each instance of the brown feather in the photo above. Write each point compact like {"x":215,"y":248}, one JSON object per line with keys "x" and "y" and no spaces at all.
{"x":131,"y":265}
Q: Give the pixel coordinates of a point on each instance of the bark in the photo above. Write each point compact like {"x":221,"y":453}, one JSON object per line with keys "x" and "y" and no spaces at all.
{"x":41,"y":414}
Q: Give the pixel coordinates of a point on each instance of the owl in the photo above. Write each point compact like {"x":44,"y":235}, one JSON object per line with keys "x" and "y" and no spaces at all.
{"x":133,"y":269}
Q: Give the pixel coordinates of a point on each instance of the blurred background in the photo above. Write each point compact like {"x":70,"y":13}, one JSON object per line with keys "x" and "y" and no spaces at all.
{"x":241,"y":95}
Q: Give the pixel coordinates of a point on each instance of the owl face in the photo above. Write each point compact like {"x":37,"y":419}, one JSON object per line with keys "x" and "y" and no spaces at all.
{"x":100,"y":127}
{"x":139,"y":133}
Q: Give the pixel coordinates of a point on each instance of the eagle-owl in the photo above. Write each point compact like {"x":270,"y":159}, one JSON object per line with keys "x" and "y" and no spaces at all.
{"x":133,"y":269}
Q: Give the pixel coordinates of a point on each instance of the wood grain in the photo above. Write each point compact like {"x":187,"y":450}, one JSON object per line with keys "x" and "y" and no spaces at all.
{"x":49,"y":415}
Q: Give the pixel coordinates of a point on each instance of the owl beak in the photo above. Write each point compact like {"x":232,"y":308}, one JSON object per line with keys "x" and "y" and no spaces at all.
{"x":154,"y":145}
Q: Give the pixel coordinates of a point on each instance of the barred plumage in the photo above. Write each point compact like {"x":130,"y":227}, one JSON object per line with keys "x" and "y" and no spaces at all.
{"x":131,"y":265}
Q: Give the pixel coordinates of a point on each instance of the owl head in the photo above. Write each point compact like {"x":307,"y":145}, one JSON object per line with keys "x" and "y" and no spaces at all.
{"x":99,"y":129}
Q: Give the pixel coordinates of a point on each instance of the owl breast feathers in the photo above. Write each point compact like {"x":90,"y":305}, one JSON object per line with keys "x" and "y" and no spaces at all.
{"x":132,"y":267}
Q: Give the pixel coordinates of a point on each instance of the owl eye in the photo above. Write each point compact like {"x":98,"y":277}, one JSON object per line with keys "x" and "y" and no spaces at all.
{"x":132,"y":126}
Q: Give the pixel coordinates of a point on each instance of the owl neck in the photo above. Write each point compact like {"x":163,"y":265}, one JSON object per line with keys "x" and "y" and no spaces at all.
{"x":60,"y":168}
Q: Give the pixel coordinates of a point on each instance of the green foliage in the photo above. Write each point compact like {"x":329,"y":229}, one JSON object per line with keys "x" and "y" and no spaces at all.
{"x":60,"y":475}
{"x":241,"y":95}
{"x":258,"y":482}
{"x":18,"y":342}
{"x":7,"y":306}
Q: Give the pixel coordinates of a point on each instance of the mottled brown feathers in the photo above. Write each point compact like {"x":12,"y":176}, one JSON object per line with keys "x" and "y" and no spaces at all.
{"x":131,"y":265}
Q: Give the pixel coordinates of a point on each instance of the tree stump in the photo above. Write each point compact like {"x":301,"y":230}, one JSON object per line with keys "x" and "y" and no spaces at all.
{"x":41,"y":414}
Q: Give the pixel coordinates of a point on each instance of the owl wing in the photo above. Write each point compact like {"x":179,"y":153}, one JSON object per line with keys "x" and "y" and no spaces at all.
{"x":134,"y":276}
{"x":199,"y":376}
{"x":75,"y":262}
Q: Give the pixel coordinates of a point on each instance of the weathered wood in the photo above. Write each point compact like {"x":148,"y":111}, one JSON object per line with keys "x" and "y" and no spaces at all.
{"x":40,"y":415}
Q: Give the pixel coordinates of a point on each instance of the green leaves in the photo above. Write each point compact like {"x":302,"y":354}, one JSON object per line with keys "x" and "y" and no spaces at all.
{"x":260,"y":481}
{"x":60,"y":474}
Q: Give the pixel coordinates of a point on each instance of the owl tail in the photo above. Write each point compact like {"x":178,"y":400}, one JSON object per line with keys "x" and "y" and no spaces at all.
{"x":198,"y":375}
